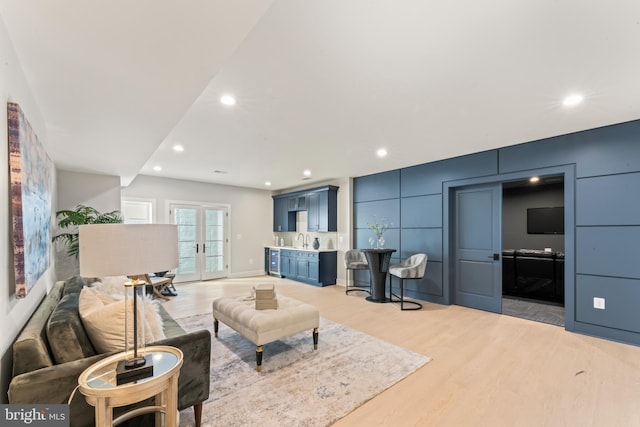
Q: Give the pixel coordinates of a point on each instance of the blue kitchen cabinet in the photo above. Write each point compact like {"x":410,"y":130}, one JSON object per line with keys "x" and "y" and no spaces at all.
{"x":286,"y":257}
{"x":313,"y":213}
{"x":322,"y":209}
{"x":312,"y":267}
{"x":283,"y":219}
{"x":297,"y":202}
{"x":321,"y":205}
{"x":302,"y":267}
{"x":313,"y":270}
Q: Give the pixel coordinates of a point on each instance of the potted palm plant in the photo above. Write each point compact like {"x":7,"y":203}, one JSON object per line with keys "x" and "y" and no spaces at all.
{"x":69,"y":220}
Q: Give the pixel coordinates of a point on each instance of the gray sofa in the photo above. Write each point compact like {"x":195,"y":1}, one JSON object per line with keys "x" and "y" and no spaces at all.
{"x":53,"y":349}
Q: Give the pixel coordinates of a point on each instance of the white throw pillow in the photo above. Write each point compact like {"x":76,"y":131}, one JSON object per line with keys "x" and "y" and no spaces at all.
{"x":153,"y":319}
{"x":103,"y":317}
{"x":114,"y":286}
{"x":111,"y":285}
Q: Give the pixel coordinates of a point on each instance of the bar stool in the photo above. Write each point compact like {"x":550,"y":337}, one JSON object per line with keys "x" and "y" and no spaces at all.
{"x":355,"y":260}
{"x":411,"y":268}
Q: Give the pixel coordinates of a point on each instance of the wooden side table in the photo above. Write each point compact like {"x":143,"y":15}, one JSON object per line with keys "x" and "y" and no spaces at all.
{"x":98,"y":384}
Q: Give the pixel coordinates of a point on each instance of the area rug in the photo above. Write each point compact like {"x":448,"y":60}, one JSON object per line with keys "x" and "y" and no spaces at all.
{"x":298,"y":386}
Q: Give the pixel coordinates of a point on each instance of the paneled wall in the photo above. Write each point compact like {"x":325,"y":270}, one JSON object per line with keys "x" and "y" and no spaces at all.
{"x":607,"y":217}
{"x":411,"y":199}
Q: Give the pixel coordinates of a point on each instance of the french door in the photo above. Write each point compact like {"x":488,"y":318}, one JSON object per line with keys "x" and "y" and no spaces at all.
{"x":202,"y":239}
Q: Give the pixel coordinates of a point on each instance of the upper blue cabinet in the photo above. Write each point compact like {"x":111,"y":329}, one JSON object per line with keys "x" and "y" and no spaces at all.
{"x":298,"y":202}
{"x":321,"y":205}
{"x":283,"y":219}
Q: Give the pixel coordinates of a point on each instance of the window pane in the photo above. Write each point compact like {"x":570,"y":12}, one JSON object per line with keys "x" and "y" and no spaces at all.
{"x":137,"y":212}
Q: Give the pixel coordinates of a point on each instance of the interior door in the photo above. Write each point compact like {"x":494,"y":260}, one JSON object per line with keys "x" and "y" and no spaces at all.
{"x":477,"y":271}
{"x":202,"y":240}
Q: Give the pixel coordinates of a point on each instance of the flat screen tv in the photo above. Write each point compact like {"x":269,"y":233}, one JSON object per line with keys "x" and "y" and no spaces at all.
{"x":545,"y":220}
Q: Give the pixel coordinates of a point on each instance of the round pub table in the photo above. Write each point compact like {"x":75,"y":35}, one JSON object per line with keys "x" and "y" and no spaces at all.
{"x":98,"y":385}
{"x":378,"y":260}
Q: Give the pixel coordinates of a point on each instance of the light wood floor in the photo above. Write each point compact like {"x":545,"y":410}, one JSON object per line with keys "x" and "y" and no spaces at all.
{"x":487,"y":369}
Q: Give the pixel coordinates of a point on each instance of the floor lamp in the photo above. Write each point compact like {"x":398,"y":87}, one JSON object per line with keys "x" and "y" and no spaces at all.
{"x":129,"y":250}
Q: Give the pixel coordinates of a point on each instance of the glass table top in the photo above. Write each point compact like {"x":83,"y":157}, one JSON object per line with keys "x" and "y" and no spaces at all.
{"x":104,"y":377}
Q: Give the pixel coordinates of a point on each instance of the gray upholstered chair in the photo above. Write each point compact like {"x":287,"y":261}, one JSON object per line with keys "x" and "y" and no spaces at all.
{"x":411,"y":268}
{"x":355,"y":260}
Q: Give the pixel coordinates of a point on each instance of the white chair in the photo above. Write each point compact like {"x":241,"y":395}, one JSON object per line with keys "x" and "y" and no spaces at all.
{"x":355,"y":260}
{"x":411,"y":268}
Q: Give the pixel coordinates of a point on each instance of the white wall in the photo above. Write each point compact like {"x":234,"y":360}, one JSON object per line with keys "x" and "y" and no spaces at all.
{"x":98,"y":191}
{"x":101,"y":192}
{"x":14,"y":313}
{"x":251,"y":213}
{"x":345,"y":222}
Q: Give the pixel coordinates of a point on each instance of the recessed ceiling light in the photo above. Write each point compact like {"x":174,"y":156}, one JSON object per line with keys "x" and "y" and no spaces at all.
{"x":157,"y":168}
{"x":228,"y":100}
{"x":306,"y":172}
{"x":178,"y":148}
{"x":572,"y":100}
{"x":381,"y":153}
{"x":268,"y":183}
{"x":534,"y":179}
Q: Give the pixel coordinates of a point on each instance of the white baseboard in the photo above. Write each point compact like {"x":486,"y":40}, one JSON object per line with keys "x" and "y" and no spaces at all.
{"x":247,"y":274}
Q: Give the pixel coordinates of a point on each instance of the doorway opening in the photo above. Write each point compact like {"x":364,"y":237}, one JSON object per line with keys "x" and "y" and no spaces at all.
{"x":533,"y":249}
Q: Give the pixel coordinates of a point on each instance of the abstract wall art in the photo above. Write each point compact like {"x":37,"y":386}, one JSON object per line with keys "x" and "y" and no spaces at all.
{"x":31,"y":180}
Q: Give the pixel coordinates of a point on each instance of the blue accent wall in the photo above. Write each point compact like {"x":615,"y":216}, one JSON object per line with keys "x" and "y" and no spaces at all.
{"x":607,"y":219}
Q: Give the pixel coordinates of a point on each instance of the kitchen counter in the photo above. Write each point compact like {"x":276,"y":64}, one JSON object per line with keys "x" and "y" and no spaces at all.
{"x":292,"y":248}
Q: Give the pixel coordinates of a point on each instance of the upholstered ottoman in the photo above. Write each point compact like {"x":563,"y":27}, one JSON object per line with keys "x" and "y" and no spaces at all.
{"x":264,"y":326}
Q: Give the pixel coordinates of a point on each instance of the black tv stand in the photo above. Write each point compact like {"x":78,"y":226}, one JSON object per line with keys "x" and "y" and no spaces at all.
{"x":533,"y":274}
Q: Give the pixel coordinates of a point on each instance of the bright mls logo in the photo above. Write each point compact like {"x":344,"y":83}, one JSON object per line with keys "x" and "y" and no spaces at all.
{"x":34,"y":415}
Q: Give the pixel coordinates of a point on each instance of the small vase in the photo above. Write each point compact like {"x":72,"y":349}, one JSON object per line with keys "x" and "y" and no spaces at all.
{"x":316,"y":243}
{"x":380,"y":243}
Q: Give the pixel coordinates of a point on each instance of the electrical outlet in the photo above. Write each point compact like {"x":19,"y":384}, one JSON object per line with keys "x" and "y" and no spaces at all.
{"x":598,"y":303}
{"x":250,"y":261}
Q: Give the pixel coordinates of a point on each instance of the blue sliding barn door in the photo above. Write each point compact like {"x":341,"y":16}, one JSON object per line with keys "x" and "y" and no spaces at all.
{"x":477,"y":242}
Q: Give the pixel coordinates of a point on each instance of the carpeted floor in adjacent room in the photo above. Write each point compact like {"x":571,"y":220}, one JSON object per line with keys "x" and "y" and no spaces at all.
{"x":539,"y":311}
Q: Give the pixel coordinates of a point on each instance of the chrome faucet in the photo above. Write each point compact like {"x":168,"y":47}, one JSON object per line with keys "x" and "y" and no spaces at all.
{"x":304,"y":244}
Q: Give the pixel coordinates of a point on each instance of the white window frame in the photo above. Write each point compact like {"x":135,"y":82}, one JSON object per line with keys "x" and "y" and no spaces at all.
{"x":150,"y":202}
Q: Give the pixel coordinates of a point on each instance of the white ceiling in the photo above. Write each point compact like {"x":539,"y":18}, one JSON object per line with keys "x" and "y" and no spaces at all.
{"x":320,"y":85}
